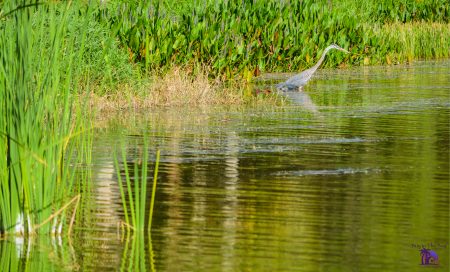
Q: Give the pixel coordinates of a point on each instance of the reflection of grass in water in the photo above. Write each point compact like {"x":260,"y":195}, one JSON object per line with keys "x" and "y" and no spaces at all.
{"x":133,"y":191}
{"x":37,"y":255}
{"x":134,"y":256}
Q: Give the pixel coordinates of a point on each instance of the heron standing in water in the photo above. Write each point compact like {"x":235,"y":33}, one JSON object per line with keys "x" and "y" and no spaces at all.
{"x":298,"y":81}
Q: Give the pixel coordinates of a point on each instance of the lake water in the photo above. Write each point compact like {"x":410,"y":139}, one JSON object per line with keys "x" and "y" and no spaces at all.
{"x":352,"y":175}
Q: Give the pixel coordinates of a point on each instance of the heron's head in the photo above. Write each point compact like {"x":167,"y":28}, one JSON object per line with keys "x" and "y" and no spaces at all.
{"x":335,"y":46}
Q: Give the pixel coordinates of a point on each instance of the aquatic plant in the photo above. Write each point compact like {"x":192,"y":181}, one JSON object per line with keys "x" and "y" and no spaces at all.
{"x":133,"y":190}
{"x":399,"y":11}
{"x":232,"y":37}
{"x":405,"y":42}
{"x":37,"y":125}
{"x":243,"y":38}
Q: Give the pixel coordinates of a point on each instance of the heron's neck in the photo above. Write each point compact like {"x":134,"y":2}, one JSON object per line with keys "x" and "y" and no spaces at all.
{"x":322,"y":58}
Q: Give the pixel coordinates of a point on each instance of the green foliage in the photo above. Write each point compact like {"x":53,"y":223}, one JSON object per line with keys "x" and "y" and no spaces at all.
{"x":234,"y":37}
{"x":133,"y":188}
{"x":241,"y":38}
{"x":103,"y":59}
{"x":404,"y":11}
{"x":37,"y":128}
{"x":402,"y":43}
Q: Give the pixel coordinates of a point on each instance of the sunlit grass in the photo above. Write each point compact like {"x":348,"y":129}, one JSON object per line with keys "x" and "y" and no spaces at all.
{"x":38,"y":129}
{"x":409,"y":41}
{"x":141,"y":54}
{"x":133,"y":188}
{"x":238,"y":39}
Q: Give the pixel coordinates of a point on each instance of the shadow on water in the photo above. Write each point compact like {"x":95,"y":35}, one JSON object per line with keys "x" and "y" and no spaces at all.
{"x":357,"y":180}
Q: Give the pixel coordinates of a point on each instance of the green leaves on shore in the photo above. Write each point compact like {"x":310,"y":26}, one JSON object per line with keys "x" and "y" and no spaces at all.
{"x":236,"y":38}
{"x":231,"y":36}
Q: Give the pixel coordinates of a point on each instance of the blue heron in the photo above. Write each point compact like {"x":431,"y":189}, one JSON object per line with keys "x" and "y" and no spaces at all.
{"x":298,"y":81}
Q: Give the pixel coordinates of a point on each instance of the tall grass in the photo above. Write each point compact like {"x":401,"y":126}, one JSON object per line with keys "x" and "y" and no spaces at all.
{"x":404,"y":42}
{"x":37,"y":127}
{"x":133,"y":188}
{"x":103,"y":60}
{"x":395,"y":11}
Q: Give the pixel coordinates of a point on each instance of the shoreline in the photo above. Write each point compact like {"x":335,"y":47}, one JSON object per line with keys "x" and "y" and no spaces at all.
{"x":178,"y":89}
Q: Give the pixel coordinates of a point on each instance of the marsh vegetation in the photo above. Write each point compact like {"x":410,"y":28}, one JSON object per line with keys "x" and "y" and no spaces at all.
{"x":143,"y":53}
{"x":64,"y":62}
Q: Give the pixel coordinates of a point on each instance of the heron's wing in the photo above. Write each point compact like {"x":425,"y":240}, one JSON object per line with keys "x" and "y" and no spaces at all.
{"x":301,"y":79}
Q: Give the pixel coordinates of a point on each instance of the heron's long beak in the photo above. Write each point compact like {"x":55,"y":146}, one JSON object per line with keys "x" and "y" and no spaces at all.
{"x":343,"y":50}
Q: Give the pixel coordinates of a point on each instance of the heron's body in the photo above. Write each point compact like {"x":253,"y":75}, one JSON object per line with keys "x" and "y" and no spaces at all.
{"x":298,"y":81}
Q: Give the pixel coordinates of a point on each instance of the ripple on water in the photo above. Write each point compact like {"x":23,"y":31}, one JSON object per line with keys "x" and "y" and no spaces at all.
{"x":327,"y":172}
{"x":350,"y":185}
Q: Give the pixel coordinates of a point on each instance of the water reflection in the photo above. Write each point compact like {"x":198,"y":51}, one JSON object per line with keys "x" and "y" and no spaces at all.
{"x":38,"y":254}
{"x":291,"y":189}
{"x":301,"y":98}
{"x":106,"y":196}
{"x":357,"y":181}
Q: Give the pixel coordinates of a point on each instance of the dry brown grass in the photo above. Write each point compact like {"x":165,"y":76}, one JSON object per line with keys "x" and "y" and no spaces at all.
{"x":181,"y":87}
{"x":177,"y":87}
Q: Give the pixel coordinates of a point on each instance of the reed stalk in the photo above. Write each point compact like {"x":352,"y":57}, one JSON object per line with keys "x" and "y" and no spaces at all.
{"x":37,"y":127}
{"x":132,"y":178}
{"x":152,"y":200}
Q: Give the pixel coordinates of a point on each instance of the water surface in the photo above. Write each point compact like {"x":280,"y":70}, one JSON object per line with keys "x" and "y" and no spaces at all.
{"x":352,"y":175}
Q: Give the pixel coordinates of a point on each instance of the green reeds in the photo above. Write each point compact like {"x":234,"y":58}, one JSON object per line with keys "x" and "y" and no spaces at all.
{"x":133,"y":190}
{"x":405,"y":42}
{"x":398,"y":11}
{"x":152,"y":199}
{"x":37,"y":127}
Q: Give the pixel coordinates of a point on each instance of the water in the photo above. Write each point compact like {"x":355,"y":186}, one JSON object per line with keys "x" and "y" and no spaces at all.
{"x":353,"y":175}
